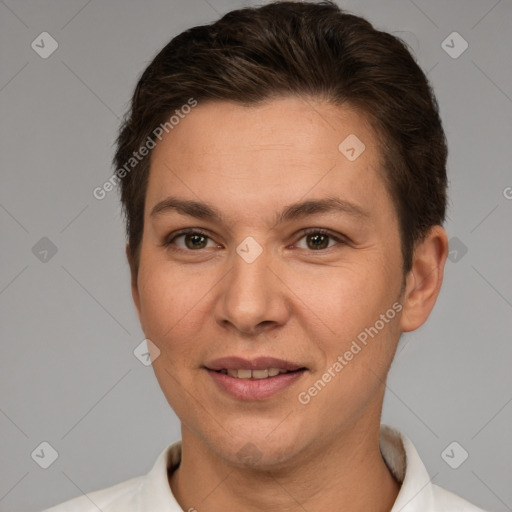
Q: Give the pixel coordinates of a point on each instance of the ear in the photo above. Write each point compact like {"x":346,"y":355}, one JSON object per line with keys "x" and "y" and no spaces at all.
{"x":134,"y":281}
{"x":424,"y":280}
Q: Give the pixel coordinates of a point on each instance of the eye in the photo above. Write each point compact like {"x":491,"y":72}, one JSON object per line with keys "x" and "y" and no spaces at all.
{"x":193,"y":240}
{"x":317,"y":239}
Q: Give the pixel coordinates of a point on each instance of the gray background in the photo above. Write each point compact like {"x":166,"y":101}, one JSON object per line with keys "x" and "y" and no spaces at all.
{"x":68,"y":373}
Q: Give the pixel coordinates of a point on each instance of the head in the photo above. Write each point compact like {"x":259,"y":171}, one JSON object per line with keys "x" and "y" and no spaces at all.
{"x":241,"y":119}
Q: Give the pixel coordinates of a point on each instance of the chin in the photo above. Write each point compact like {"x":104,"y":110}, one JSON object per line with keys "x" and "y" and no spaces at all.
{"x":259,"y":448}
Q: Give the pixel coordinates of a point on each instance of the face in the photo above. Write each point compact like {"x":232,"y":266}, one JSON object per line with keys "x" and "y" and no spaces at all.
{"x":294,"y":254}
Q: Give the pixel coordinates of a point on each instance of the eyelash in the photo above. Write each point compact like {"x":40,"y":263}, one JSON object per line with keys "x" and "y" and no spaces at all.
{"x":168,"y":243}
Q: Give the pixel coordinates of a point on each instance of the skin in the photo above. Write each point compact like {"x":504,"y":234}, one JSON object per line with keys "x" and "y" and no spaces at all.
{"x":294,"y":302}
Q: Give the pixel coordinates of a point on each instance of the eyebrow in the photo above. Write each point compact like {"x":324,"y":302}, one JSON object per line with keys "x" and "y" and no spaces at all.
{"x":291,"y":212}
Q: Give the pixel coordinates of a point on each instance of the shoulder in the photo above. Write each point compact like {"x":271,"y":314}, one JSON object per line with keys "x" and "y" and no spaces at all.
{"x":417,"y":492}
{"x":146,"y":492}
{"x":122,"y":496}
{"x":445,"y":501}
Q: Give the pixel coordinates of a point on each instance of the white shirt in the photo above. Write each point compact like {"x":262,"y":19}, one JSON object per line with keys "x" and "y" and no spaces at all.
{"x":152,"y":493}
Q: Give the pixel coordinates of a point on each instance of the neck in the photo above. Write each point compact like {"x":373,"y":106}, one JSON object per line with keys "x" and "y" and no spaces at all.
{"x":346,"y":472}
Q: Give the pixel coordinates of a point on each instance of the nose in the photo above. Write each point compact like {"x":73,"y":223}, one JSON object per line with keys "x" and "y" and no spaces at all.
{"x":252,"y":296}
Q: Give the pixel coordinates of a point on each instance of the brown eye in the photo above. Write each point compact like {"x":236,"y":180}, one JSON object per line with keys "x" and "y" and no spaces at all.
{"x":317,"y":241}
{"x":320,"y":239}
{"x":193,"y":240}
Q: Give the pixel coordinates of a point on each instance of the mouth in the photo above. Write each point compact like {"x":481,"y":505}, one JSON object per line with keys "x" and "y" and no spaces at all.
{"x":266,"y":373}
{"x":270,"y":364}
{"x":256,"y":379}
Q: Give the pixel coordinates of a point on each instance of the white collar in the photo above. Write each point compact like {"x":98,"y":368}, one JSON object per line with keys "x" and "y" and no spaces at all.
{"x":417,"y":493}
{"x":403,"y":461}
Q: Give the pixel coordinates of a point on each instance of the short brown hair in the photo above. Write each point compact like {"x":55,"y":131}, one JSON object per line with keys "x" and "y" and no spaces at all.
{"x":303,"y":49}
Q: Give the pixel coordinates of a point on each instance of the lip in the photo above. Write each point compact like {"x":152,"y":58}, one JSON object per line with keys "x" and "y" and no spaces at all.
{"x":254,"y":389}
{"x":259,"y":363}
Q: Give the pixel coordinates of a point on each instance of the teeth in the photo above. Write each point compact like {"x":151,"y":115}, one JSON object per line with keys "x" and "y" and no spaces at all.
{"x":244,"y":374}
{"x":260,"y":374}
{"x":255,"y":374}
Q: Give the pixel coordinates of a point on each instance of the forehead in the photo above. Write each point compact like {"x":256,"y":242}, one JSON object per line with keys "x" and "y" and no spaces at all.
{"x":274,"y":153}
{"x":294,"y":125}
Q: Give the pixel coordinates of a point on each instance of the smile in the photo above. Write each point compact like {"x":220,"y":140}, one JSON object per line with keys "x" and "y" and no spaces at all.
{"x":254,"y":384}
{"x":254,"y":374}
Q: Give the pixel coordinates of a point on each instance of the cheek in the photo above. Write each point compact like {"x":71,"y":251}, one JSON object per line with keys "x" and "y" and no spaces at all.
{"x":356,"y":359}
{"x":170,"y":305}
{"x":350,"y":298}
{"x":175,"y":306}
{"x":363,"y":328}
{"x":165,"y":299}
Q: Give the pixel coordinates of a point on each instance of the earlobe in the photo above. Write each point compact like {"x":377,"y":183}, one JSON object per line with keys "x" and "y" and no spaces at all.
{"x":423,"y":283}
{"x":134,"y":282}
